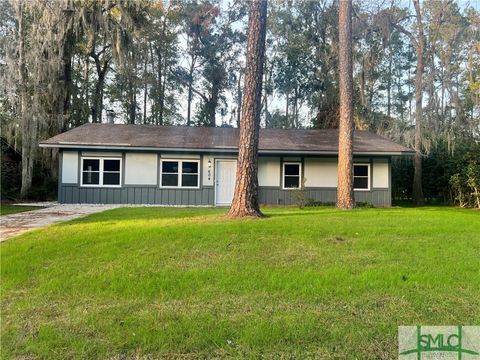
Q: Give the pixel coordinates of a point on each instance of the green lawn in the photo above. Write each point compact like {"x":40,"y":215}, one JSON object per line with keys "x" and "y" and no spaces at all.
{"x":7,"y":209}
{"x":187,"y":283}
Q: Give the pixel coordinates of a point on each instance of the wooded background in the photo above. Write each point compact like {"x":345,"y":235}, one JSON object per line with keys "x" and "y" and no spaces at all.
{"x":416,"y":73}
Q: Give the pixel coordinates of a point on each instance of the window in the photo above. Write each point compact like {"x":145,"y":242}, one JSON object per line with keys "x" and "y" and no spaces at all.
{"x":111,"y":172}
{"x":361,"y":176}
{"x":169,"y":173}
{"x":189,"y":174}
{"x":292,"y":175}
{"x":101,"y":172}
{"x":91,"y":172}
{"x":179,"y":173}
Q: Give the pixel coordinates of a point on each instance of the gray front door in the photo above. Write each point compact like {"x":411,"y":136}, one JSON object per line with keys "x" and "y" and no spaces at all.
{"x":225,"y":173}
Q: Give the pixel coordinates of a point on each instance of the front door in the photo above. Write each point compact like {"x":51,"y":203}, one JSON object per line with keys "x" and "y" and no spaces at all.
{"x":225,"y":174}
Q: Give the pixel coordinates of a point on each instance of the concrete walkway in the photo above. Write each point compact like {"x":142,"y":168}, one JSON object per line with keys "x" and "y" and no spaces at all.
{"x":19,"y":223}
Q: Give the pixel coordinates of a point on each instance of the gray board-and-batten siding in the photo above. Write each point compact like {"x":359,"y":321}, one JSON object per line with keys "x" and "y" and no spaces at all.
{"x":74,"y":194}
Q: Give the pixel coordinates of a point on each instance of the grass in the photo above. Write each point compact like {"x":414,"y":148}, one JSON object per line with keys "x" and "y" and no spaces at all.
{"x":187,"y":283}
{"x":7,"y":209}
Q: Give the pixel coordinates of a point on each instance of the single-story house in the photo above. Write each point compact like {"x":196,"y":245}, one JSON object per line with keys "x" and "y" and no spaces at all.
{"x":177,"y":165}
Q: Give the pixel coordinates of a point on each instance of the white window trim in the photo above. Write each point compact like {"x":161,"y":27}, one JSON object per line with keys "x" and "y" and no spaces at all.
{"x":180,"y":168}
{"x":100,"y":175}
{"x":368,"y":176}
{"x":299,"y":163}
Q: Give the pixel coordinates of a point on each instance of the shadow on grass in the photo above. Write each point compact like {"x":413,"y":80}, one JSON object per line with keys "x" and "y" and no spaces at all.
{"x":146,"y":213}
{"x":406,"y":203}
{"x":192,"y":215}
{"x":9,"y":209}
{"x":132,"y":214}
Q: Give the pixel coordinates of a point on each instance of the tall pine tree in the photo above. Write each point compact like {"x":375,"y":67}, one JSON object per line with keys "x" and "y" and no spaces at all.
{"x":245,"y":199}
{"x":345,"y":196}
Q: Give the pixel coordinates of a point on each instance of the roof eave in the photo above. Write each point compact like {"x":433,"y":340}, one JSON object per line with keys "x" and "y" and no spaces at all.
{"x":218,"y":150}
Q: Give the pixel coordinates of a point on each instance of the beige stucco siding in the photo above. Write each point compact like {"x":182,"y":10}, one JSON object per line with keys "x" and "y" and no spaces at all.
{"x":269,"y":171}
{"x":380,"y":176}
{"x":70,"y":167}
{"x":320,"y":172}
{"x":140,"y":169}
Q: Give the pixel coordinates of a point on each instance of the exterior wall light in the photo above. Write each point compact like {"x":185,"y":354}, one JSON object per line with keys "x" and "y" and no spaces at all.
{"x":209,"y":172}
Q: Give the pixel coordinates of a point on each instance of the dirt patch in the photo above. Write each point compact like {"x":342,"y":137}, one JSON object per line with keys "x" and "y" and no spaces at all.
{"x":340,"y":240}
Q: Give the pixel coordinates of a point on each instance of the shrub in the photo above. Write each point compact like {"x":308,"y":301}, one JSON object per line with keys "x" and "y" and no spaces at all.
{"x":444,"y":177}
{"x":465,"y":186}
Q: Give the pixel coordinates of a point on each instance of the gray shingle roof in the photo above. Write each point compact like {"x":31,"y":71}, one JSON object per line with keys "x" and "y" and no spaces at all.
{"x":151,"y":137}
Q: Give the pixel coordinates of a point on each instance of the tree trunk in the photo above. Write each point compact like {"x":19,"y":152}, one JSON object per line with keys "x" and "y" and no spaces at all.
{"x":154,"y":111}
{"x":389,"y":85}
{"x":212,"y":107}
{"x":345,"y":196}
{"x":409,"y":98}
{"x":189,"y":104}
{"x":265,"y":95}
{"x":239,"y":98}
{"x":287,"y":102}
{"x":163,"y":92}
{"x":24,"y":120}
{"x":417,"y":174}
{"x":85,"y":93}
{"x":161,"y":73}
{"x":66,"y":76}
{"x":295,"y":109}
{"x":443,"y":95}
{"x":163,"y":68}
{"x":132,"y":102}
{"x":362,"y":84}
{"x":190,"y":91}
{"x":145,"y":90}
{"x":245,"y":199}
{"x":97,"y":103}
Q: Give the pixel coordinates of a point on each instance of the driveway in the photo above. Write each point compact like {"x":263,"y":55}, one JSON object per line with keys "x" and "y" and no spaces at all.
{"x":19,"y":223}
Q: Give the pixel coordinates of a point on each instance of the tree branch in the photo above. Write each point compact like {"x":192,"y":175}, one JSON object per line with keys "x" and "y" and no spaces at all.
{"x":200,"y":94}
{"x":437,"y":31}
{"x":407,"y":33}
